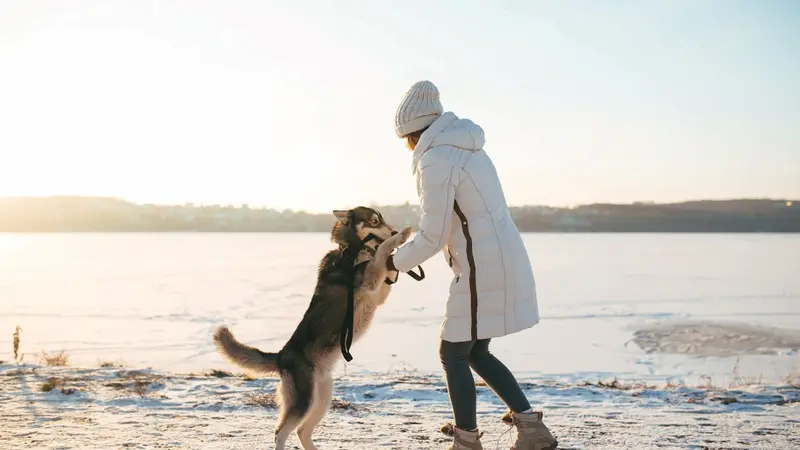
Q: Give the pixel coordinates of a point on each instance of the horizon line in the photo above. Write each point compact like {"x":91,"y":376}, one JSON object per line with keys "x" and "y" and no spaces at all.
{"x":373,"y":204}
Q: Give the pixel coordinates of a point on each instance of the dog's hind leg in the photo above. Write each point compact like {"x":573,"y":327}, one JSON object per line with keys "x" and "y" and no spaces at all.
{"x":294,"y":396}
{"x":287,"y":419}
{"x":320,"y":402}
{"x":376,"y":270}
{"x":286,"y":424}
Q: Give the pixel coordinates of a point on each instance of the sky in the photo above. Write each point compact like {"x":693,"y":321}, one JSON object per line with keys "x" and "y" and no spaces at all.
{"x":291,"y":104}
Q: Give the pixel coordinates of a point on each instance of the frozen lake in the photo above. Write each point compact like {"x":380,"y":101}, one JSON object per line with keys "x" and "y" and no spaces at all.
{"x":152,"y":300}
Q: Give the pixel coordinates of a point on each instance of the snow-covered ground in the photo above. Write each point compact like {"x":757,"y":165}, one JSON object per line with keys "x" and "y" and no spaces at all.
{"x":700,"y":332}
{"x":120,"y":408}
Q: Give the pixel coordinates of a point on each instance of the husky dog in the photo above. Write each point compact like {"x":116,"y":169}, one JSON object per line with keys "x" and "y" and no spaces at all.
{"x":306,"y":361}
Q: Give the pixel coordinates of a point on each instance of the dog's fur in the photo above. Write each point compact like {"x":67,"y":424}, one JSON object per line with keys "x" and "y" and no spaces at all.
{"x":306,"y":361}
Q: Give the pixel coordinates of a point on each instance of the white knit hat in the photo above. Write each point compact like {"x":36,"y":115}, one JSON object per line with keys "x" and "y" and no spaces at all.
{"x":419,"y":109}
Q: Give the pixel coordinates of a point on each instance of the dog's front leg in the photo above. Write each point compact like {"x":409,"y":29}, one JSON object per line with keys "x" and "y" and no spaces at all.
{"x":376,"y":270}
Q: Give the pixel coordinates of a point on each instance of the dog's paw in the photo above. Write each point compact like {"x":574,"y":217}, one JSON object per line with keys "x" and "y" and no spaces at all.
{"x":404,"y":235}
{"x":397,"y":240}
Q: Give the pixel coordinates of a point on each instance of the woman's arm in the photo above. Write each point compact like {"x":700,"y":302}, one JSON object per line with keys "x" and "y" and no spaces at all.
{"x":437,"y":194}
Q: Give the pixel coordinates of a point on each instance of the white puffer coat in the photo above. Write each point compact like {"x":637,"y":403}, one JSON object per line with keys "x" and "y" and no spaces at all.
{"x":464,"y":213}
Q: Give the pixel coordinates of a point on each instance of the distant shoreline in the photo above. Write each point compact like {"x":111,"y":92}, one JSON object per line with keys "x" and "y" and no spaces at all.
{"x":102,"y":215}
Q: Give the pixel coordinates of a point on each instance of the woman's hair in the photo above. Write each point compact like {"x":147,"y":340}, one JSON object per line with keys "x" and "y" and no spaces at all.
{"x":413,"y":138}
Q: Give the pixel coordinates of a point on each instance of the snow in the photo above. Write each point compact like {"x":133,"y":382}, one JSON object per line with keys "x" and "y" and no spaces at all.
{"x":393,"y":410}
{"x":699,"y":331}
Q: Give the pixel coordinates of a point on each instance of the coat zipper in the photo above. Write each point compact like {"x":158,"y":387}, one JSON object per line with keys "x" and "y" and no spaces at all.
{"x":473,"y":283}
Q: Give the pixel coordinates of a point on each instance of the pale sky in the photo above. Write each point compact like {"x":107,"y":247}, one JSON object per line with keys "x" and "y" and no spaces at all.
{"x":291,"y":104}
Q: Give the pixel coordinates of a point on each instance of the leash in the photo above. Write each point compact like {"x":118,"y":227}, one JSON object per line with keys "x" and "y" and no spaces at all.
{"x":348,"y":327}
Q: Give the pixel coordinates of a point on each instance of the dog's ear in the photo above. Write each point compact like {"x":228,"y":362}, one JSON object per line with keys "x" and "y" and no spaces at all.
{"x":341,"y":214}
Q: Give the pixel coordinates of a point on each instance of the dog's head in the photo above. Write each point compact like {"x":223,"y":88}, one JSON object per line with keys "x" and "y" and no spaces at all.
{"x":354,"y":225}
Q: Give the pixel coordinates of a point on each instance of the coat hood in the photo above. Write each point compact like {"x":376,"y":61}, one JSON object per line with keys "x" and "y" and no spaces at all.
{"x":451,"y":131}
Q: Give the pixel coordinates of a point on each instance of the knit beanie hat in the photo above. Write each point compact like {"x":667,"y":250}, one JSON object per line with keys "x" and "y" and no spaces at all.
{"x":419,"y":109}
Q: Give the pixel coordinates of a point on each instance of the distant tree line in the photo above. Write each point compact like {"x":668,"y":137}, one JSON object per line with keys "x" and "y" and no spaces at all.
{"x":90,"y":214}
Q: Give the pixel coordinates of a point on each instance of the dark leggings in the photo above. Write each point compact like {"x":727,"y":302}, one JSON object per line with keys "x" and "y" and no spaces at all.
{"x":457,"y":358}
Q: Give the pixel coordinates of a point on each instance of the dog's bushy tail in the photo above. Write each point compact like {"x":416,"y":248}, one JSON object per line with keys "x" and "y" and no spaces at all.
{"x":243,"y":355}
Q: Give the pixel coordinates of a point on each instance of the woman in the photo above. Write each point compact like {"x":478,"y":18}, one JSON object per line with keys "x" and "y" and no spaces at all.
{"x":493,"y":293}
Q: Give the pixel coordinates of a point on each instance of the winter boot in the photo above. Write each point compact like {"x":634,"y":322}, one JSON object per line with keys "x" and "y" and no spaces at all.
{"x":462,"y":439}
{"x":532,"y":434}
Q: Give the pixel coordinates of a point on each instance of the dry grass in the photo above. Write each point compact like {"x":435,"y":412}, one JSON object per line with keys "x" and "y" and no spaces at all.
{"x":793,"y":379}
{"x":49,"y":384}
{"x":110,"y":364}
{"x":342,"y":405}
{"x":674,"y":384}
{"x":270,"y":400}
{"x":619,"y":385}
{"x":219,"y":373}
{"x":59,"y":359}
{"x":140,"y":388}
{"x":707,"y":383}
{"x":725,"y":400}
{"x":747,"y":382}
{"x":19,"y":372}
{"x":15,"y":343}
{"x":134,"y":381}
{"x":57,"y":383}
{"x":138,"y":374}
{"x":740,"y":381}
{"x":264,"y":400}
